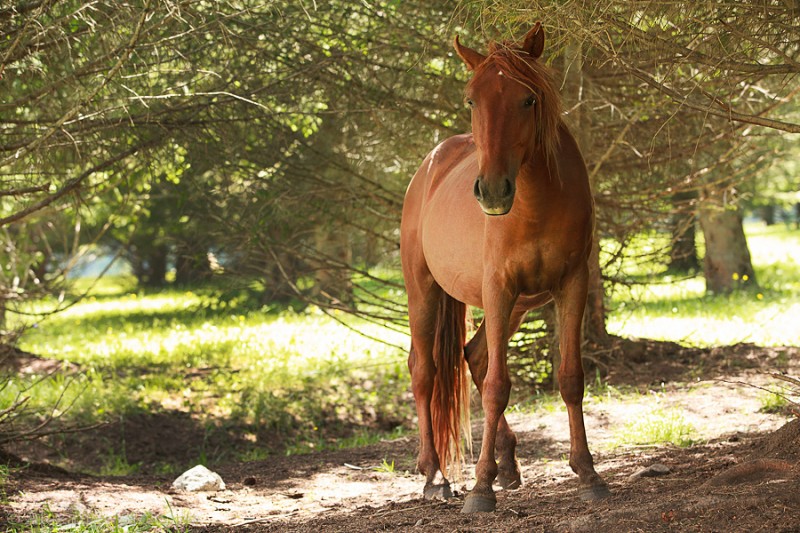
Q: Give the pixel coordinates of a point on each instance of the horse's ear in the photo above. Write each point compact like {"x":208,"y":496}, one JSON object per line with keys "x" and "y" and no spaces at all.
{"x":470,"y":57}
{"x":534,"y":41}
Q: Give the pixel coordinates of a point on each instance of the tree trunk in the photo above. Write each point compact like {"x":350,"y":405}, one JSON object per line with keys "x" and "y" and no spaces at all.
{"x":683,"y":250}
{"x":727,"y":261}
{"x":333,"y":283}
{"x":594,"y":321}
{"x":278,"y":289}
{"x":767,"y":213}
{"x":331,"y":241}
{"x":191,"y":263}
{"x":150,"y":266}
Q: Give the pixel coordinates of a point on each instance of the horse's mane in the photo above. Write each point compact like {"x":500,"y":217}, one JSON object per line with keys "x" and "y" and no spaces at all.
{"x":521,"y":67}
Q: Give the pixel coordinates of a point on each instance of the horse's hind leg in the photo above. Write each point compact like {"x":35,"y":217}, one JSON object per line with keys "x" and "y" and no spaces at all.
{"x":509,"y":475}
{"x":422,"y":319}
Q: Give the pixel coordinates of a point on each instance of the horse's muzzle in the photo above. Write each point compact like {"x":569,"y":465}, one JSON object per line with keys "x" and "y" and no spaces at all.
{"x":495,"y":198}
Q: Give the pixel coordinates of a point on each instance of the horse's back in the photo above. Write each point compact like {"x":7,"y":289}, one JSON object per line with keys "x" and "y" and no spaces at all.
{"x":439,"y":163}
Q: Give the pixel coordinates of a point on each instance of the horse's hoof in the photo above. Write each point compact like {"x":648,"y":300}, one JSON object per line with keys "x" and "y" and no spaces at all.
{"x":479,"y":503}
{"x":510,"y":482}
{"x":441,"y":491}
{"x":594,"y":493}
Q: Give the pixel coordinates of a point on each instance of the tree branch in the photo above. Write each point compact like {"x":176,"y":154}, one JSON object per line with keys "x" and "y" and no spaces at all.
{"x":74,"y":183}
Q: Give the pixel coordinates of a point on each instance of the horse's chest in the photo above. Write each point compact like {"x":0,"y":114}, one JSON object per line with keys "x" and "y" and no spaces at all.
{"x":539,"y":266}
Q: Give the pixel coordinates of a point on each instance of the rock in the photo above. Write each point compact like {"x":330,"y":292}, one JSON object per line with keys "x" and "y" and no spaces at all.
{"x":654,"y":470}
{"x":199,"y":479}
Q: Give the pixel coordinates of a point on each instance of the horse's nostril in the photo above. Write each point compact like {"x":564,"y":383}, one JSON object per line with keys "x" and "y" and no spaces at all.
{"x":508,"y":189}
{"x":477,"y":189}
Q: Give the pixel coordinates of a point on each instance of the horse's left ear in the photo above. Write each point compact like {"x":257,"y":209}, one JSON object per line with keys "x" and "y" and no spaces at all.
{"x":534,"y":41}
{"x":469,"y":56}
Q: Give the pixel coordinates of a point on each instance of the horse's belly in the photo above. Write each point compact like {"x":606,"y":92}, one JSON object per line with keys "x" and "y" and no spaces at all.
{"x":463,"y":284}
{"x":452,"y":240}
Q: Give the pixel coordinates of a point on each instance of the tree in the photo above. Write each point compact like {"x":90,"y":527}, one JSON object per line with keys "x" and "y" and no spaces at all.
{"x":181,"y":129}
{"x":278,"y":137}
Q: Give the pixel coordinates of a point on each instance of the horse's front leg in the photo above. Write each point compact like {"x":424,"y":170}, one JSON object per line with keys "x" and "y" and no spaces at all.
{"x":498,"y":303}
{"x":570,"y":303}
{"x":509,"y":475}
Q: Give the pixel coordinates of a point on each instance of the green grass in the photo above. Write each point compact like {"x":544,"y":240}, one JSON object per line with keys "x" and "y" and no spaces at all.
{"x":302,"y":381}
{"x":45,"y":521}
{"x":4,"y":474}
{"x":668,"y":308}
{"x":656,"y":428}
{"x":362,"y":437}
{"x":298,"y":382}
{"x":385,"y":467}
{"x":774,"y":400}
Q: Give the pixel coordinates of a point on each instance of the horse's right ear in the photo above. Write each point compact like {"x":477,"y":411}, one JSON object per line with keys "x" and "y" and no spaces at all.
{"x":470,"y":57}
{"x":534,"y":41}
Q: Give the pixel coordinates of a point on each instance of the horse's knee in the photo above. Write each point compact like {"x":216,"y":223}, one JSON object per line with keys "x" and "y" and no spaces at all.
{"x":571,"y":388}
{"x":496,"y":391}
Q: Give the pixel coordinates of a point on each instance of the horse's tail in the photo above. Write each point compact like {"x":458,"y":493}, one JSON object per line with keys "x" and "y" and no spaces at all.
{"x":451,"y":387}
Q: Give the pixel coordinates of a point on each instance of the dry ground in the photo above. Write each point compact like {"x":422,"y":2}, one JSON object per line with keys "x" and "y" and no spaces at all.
{"x":743,"y":476}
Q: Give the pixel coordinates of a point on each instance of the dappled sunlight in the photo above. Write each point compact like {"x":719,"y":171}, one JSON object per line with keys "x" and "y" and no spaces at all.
{"x":774,"y":325}
{"x":132,"y":303}
{"x":238,"y":339}
{"x":679,"y":310}
{"x":183,"y":351}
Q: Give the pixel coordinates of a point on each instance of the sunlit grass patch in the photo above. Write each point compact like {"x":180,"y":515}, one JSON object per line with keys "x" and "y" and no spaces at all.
{"x":46,"y":521}
{"x":678,"y":309}
{"x":301,"y":381}
{"x":303,"y":378}
{"x":106,"y":286}
{"x":780,"y":398}
{"x":359,"y":439}
{"x":656,"y":427}
{"x":5,"y":472}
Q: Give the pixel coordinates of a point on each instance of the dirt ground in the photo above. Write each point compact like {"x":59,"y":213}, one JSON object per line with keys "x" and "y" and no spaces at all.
{"x":745,"y":476}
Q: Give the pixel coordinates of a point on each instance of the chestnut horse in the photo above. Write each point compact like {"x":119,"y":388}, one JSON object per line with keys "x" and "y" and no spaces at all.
{"x":500,"y":219}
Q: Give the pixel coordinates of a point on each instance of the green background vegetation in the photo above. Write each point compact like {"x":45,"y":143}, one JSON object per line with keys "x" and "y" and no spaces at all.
{"x":294,"y":382}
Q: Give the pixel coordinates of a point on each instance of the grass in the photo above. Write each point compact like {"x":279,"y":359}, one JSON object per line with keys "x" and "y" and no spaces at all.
{"x":386,"y":467}
{"x":46,"y":521}
{"x":300,"y":380}
{"x":363,"y":437}
{"x":303,"y":382}
{"x":656,"y":428}
{"x":4,"y":474}
{"x":775,"y":400}
{"x":297,"y":382}
{"x":664,"y":307}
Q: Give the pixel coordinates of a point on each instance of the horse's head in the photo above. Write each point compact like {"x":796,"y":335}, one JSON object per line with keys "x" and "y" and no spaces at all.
{"x":509,"y":95}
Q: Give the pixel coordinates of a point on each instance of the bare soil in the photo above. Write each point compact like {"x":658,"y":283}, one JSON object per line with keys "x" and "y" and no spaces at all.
{"x":744,"y":476}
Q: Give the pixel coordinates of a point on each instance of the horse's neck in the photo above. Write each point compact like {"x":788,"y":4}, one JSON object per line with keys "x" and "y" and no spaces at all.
{"x":549,"y":181}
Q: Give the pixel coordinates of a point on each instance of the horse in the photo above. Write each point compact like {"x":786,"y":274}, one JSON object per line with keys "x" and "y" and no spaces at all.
{"x":500,"y":219}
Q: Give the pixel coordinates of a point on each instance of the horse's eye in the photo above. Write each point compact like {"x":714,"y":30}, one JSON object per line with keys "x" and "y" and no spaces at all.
{"x":530,"y":101}
{"x":469,"y":102}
